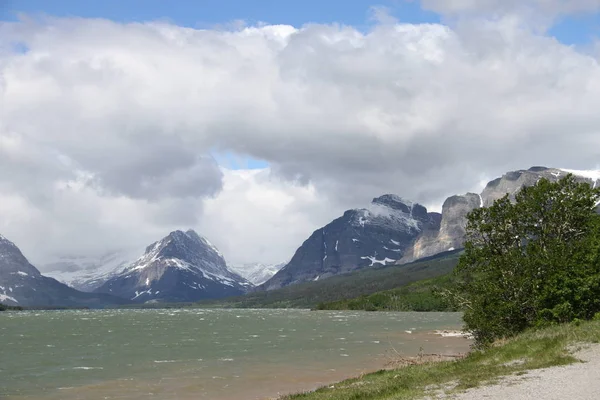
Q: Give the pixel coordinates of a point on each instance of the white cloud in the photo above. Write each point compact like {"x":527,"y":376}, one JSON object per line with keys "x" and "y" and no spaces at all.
{"x":258,"y":216}
{"x":107,"y":129}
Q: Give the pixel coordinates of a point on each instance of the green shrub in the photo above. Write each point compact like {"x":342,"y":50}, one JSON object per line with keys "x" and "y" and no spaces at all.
{"x":532,"y":262}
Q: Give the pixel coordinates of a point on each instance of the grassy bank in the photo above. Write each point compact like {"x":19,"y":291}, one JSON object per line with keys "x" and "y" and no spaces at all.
{"x":417,"y":296}
{"x":530,"y":350}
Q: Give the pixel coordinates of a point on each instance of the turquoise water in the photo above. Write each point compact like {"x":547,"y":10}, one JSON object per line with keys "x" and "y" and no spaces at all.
{"x":202,"y":354}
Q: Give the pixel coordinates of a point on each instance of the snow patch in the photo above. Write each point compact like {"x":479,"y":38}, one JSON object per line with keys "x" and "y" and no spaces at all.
{"x":594,"y":175}
{"x":22,"y":273}
{"x":394,"y":250}
{"x":336,"y":245}
{"x":4,"y":297}
{"x":395,"y":242}
{"x":219,"y":278}
{"x":374,"y":260}
{"x":138,"y":294}
{"x":362,"y":221}
{"x":590,"y":174}
{"x":212,"y":246}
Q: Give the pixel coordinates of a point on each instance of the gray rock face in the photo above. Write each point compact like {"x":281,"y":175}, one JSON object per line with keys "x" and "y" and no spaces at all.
{"x":183,"y":266}
{"x":377,"y":235}
{"x":450,"y":235}
{"x":513,"y":181}
{"x":22,"y":284}
{"x":455,"y":209}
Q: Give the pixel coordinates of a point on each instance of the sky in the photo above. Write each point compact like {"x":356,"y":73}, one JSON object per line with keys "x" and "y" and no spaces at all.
{"x":256,"y":123}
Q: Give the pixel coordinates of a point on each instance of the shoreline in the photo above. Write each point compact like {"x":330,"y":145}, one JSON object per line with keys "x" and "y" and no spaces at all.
{"x":549,"y":360}
{"x":455,"y":339}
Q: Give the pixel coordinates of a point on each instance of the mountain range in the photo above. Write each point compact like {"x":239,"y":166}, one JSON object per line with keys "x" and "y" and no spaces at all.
{"x":396,"y":231}
{"x":185,"y":267}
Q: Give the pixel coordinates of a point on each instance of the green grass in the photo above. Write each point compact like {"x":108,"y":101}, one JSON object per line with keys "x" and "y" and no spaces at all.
{"x":417,"y":296}
{"x":530,"y":350}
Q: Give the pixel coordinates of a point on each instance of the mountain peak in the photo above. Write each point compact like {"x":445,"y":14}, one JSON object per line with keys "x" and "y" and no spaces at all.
{"x":12,"y":260}
{"x":394,"y":201}
{"x":193,"y":234}
{"x":182,"y":266}
{"x":5,"y":242}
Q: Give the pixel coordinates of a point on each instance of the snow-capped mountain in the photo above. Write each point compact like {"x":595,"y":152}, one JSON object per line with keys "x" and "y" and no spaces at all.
{"x":257,"y":273}
{"x":87,"y":273}
{"x":183,"y":266}
{"x":376,"y":235}
{"x":23,"y":284}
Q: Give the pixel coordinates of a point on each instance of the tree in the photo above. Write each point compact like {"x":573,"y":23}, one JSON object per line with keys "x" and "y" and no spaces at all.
{"x":532,"y":262}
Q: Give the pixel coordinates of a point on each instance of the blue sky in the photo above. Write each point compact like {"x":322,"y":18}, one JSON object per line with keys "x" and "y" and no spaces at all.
{"x":577,"y":30}
{"x":210,"y":12}
{"x":206,"y":13}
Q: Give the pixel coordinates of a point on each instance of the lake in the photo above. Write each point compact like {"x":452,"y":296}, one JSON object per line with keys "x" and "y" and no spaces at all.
{"x":203,"y":354}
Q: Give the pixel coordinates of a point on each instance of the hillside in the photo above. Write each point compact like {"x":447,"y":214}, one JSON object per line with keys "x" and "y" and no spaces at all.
{"x":417,"y":296}
{"x":346,"y":286}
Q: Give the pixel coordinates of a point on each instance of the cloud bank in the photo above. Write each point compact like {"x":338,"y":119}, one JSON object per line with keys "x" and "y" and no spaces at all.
{"x":107,"y":130}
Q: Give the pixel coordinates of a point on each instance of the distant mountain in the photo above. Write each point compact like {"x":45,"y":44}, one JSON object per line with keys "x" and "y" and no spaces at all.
{"x":393,"y":230}
{"x":181,"y":267}
{"x":377,"y":235}
{"x":257,"y":273}
{"x":87,"y":273}
{"x":22,"y":284}
{"x":451,"y":233}
{"x":513,"y":181}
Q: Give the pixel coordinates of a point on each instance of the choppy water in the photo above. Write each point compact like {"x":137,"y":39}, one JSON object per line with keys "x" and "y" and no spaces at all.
{"x":202,"y":354}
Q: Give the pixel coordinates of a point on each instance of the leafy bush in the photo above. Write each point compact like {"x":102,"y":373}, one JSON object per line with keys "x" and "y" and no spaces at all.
{"x":534,"y":262}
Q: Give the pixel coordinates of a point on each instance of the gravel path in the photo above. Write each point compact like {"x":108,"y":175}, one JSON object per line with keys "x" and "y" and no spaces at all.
{"x":579,"y":381}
